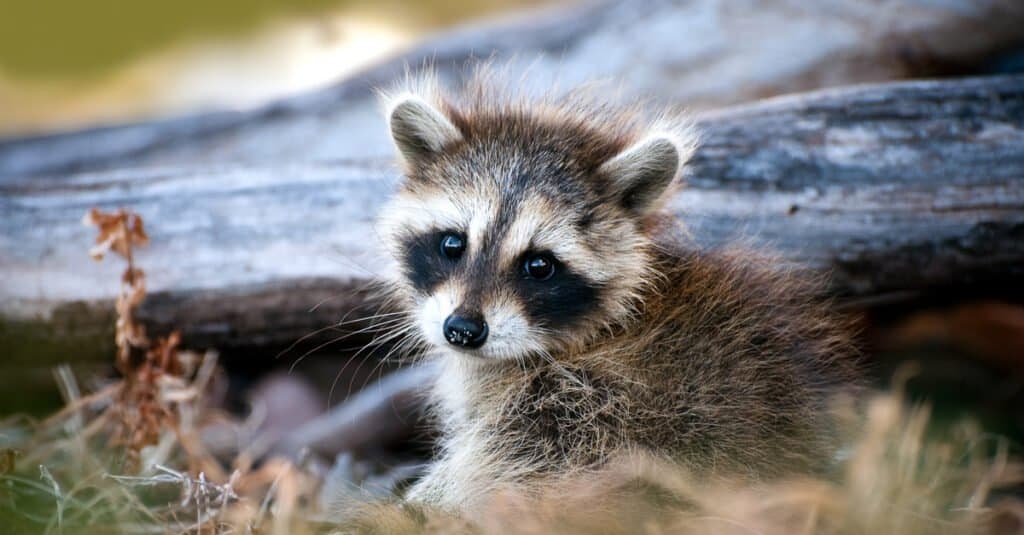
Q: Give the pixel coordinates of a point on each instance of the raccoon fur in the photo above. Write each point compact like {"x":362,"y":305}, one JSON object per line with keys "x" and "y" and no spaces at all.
{"x":573,"y":320}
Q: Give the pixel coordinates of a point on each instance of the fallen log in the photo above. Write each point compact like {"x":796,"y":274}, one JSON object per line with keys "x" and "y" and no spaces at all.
{"x":896,"y":188}
{"x":701,"y":53}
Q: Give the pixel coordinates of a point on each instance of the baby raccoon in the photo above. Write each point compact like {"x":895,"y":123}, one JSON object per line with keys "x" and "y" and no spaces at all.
{"x":571,"y":322}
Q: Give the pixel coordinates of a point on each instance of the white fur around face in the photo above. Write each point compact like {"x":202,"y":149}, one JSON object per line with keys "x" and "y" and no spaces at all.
{"x":541,"y":229}
{"x":408,"y":213}
{"x":511,"y":336}
{"x":433,"y":310}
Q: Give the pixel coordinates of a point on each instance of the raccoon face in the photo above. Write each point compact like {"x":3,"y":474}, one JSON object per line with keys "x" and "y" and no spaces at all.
{"x":517,"y":235}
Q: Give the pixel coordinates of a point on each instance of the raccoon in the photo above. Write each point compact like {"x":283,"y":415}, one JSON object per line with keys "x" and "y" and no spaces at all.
{"x":572,"y":320}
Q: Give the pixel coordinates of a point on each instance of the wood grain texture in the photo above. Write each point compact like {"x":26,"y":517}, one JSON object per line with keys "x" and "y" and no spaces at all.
{"x":901,"y":187}
{"x":700,"y":53}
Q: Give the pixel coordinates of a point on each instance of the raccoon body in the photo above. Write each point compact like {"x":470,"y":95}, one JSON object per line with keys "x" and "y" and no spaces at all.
{"x":571,"y":322}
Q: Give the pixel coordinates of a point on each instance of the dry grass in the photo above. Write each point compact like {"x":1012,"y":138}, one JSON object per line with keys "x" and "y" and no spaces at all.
{"x":894,"y":480}
{"x":129,"y":457}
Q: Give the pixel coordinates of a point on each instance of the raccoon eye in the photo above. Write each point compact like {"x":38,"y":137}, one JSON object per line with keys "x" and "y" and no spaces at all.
{"x":540,"y":267}
{"x":452,"y":246}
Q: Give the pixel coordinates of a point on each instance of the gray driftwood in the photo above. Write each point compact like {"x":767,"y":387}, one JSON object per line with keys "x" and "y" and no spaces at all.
{"x":897,"y":189}
{"x":699,"y":53}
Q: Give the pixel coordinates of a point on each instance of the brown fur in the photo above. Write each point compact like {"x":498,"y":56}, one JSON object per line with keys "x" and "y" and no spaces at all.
{"x":894,"y":481}
{"x":719,"y":361}
{"x":726,"y":370}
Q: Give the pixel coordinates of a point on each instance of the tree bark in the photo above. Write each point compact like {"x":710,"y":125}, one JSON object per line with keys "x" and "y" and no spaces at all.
{"x":898,"y":188}
{"x":699,"y":53}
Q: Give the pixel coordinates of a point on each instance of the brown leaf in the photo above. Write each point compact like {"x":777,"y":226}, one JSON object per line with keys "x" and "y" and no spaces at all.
{"x":118,"y":231}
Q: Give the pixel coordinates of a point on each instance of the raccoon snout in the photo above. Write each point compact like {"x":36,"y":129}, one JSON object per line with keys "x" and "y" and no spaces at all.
{"x":464,"y":331}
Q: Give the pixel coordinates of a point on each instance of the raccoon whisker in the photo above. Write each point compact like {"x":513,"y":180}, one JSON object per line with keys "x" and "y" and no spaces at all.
{"x":371,"y":318}
{"x":395,"y":330}
{"x":417,"y":351}
{"x":345,"y":260}
{"x":370,"y":328}
{"x":372,"y":286}
{"x":346,"y":335}
{"x":334,"y":383}
{"x":400,"y":333}
{"x":375,"y":343}
{"x":379,"y":367}
{"x":374,"y":316}
{"x":385,"y":323}
{"x":303,"y":338}
{"x":408,"y":343}
{"x":335,"y":325}
{"x":321,"y":302}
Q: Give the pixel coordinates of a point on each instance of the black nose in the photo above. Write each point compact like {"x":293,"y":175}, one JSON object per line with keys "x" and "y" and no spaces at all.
{"x":465,"y":332}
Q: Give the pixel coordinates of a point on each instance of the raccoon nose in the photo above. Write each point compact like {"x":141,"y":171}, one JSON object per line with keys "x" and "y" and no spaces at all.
{"x":463,"y":331}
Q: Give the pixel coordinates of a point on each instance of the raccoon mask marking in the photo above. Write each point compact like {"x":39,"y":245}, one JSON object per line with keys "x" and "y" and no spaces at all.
{"x":517,"y":233}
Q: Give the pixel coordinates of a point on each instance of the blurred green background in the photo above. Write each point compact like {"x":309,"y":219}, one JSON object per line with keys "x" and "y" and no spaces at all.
{"x":67,"y":39}
{"x":68,"y":63}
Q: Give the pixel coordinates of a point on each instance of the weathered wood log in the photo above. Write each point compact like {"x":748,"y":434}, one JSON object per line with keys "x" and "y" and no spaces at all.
{"x":701,"y":53}
{"x":384,"y":413}
{"x":903,"y":187}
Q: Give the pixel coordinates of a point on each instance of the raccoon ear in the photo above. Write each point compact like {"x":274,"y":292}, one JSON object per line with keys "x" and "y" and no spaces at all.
{"x":643,"y":171}
{"x":419,"y":129}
